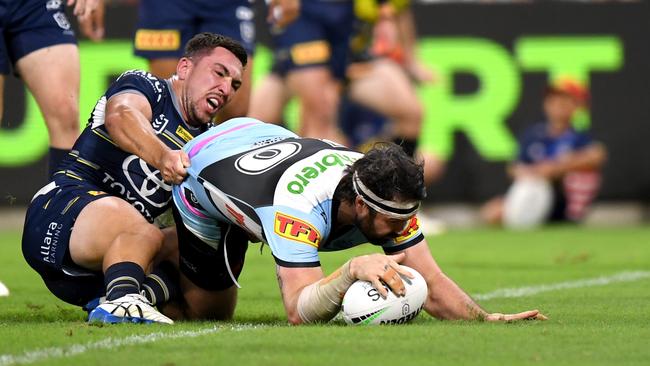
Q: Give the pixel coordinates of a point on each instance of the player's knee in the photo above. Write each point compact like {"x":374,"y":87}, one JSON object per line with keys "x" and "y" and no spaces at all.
{"x":153,"y":236}
{"x":323,"y":103}
{"x":218,"y":312}
{"x":64,"y":121}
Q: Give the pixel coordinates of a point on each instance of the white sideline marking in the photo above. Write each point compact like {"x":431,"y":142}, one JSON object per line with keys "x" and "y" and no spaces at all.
{"x":628,"y":276}
{"x":108,"y":343}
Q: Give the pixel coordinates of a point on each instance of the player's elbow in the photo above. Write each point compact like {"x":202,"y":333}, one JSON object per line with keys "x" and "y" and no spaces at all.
{"x":115,"y":118}
{"x":294,"y":317}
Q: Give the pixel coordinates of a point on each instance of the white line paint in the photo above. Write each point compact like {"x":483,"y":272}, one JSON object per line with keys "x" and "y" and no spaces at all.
{"x":590,"y":282}
{"x":106,"y":344}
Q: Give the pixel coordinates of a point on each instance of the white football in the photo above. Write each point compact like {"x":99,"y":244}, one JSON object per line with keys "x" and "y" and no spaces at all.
{"x":4,"y":291}
{"x":362,"y":303}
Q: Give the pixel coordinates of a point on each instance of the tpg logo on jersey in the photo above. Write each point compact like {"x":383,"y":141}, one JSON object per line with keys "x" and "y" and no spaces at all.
{"x":292,"y":228}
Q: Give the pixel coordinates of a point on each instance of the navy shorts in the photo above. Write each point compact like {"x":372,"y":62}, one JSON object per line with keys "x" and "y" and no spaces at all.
{"x":319,"y":37}
{"x":204,"y":265}
{"x":165,"y":26}
{"x":29,"y":25}
{"x":46,"y":236}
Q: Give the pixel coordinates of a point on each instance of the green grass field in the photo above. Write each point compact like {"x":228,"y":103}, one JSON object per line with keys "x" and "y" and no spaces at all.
{"x":594,"y":284}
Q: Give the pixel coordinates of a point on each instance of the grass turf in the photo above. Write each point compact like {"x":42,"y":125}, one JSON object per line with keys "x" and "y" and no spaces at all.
{"x":599,"y":325}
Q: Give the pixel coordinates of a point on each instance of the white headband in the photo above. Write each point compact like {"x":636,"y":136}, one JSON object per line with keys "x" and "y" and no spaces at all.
{"x":389,"y":208}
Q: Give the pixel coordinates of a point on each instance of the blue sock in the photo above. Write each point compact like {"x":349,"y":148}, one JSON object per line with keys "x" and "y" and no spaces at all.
{"x":122,"y":279}
{"x":162,"y":284}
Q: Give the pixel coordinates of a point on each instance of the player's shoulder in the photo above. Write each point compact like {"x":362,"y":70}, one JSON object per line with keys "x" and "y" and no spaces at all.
{"x":137,"y":74}
{"x":142,"y":81}
{"x":143,"y":78}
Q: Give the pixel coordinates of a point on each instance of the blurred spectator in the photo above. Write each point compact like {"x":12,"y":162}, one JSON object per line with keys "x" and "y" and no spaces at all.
{"x":382,"y":69}
{"x":310,"y":59}
{"x":385,"y":68}
{"x":40,"y":47}
{"x":557,"y":171}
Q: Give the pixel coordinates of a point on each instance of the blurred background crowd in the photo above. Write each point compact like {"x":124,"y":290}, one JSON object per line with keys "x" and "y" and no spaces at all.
{"x":522,"y":112}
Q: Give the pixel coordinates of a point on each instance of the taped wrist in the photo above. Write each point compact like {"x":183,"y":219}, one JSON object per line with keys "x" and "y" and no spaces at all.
{"x":320,"y":301}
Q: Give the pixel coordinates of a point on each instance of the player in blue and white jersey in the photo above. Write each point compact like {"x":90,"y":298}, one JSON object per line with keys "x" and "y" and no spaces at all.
{"x":255,"y":181}
{"x":89,"y":232}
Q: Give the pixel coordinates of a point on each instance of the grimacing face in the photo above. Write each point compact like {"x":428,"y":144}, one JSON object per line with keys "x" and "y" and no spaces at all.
{"x":210,"y":82}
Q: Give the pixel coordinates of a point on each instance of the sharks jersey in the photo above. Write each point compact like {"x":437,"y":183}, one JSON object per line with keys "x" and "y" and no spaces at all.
{"x":97,"y":161}
{"x":276,"y":186}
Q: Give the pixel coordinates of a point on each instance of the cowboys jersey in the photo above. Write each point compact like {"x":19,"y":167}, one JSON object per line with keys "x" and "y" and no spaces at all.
{"x":96,"y":159}
{"x":275,"y":186}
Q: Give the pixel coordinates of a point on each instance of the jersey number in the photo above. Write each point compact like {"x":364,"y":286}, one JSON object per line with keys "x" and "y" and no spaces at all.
{"x":263,"y":159}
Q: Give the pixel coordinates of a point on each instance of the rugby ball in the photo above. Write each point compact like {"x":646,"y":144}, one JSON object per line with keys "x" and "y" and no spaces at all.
{"x":363,"y":305}
{"x":527,"y":203}
{"x":4,"y":291}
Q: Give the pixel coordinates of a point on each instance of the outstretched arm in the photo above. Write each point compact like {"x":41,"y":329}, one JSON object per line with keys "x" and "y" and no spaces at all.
{"x":446,"y":300}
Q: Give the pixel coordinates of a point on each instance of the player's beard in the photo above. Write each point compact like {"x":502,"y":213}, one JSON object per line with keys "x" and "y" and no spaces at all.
{"x":366,"y":227}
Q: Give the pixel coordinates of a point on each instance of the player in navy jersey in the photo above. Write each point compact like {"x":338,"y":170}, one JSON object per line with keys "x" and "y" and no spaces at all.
{"x":165,"y":25}
{"x":88,"y":233}
{"x":311,"y":54}
{"x":554,"y":153}
{"x":255,"y":181}
{"x":38,"y":44}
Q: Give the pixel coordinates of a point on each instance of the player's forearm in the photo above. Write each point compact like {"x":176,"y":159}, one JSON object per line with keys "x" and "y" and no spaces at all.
{"x":448,"y":301}
{"x":132,"y":132}
{"x":321,"y":301}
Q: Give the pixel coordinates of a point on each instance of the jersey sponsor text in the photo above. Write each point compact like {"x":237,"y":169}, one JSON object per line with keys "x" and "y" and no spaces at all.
{"x":295,"y":229}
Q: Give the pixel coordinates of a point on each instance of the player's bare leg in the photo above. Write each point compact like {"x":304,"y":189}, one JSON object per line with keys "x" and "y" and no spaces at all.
{"x":319,"y":96}
{"x":381,"y":81}
{"x":269,"y":99}
{"x":384,"y":88}
{"x":52,"y":76}
{"x":124,"y":249}
{"x":204,"y":304}
{"x":125,"y":235}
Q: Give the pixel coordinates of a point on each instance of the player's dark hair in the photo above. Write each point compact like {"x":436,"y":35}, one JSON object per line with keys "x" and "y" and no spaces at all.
{"x":203,"y":43}
{"x":388,"y":172}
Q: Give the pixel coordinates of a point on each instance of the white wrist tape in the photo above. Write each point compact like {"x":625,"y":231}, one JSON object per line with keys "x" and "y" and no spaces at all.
{"x":320,"y":301}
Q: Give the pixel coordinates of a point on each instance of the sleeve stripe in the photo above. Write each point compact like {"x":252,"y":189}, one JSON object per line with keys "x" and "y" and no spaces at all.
{"x":282,"y":263}
{"x":412,"y":242}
